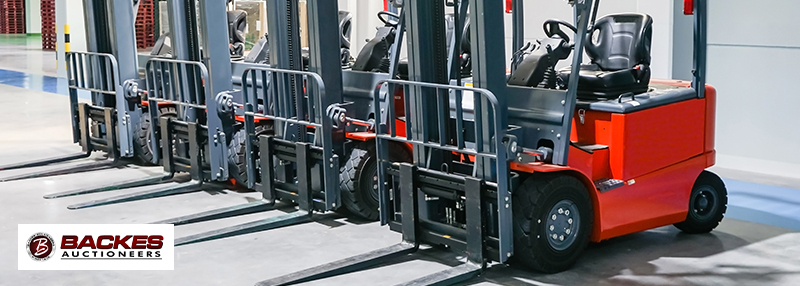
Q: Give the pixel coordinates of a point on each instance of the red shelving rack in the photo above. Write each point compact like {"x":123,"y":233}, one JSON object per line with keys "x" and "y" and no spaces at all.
{"x":145,"y":25}
{"x":12,"y":17}
{"x":48,"y":12}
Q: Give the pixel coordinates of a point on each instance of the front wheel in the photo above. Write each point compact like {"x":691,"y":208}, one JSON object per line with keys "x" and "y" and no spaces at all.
{"x":237,"y":153}
{"x":707,"y":204}
{"x":552,"y":218}
{"x":358,"y":178}
{"x":143,"y":137}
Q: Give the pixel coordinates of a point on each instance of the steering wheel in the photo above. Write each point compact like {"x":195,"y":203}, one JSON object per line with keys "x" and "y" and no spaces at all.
{"x":384,"y":16}
{"x":552,"y":27}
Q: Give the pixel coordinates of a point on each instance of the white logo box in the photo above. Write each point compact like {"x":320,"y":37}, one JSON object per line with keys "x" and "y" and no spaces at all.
{"x":100,"y":259}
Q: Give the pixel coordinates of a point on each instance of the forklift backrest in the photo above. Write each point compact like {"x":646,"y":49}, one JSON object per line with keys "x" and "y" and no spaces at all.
{"x":620,"y":41}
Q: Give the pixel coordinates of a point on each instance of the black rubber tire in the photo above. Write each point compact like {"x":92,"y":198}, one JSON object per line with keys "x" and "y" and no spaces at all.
{"x":532,"y":203}
{"x":141,"y":143}
{"x":700,"y":218}
{"x":237,"y":163}
{"x":357,"y":175}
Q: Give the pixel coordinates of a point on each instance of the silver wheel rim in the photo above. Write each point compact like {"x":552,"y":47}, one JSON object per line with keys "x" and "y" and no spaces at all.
{"x":563,"y":225}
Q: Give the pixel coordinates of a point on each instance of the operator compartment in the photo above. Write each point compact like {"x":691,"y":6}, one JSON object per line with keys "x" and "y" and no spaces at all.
{"x":624,"y":124}
{"x":644,"y":132}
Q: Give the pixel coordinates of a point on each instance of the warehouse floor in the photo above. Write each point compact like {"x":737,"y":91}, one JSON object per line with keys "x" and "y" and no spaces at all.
{"x":757,"y":244}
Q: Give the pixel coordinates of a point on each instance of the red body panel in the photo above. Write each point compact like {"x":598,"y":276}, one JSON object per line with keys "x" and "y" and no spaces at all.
{"x":658,"y":152}
{"x":651,"y":139}
{"x":255,"y":119}
{"x":400,"y":126}
{"x":594,"y":165}
{"x":711,"y":115}
{"x":653,"y":200}
{"x":147,"y":103}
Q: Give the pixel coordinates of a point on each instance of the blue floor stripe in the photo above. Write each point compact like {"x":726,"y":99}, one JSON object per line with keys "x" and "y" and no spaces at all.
{"x":34,"y":81}
{"x":765,"y":204}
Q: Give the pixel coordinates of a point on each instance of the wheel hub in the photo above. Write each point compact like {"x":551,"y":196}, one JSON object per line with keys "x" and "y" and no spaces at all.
{"x":563,"y":223}
{"x":704,"y":203}
{"x":373,"y":191}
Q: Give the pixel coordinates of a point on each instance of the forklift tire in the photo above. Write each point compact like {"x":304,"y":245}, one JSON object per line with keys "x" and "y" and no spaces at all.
{"x":358,"y":179}
{"x":142,"y":140}
{"x":236,"y":153}
{"x":552,"y":219}
{"x":707,"y":204}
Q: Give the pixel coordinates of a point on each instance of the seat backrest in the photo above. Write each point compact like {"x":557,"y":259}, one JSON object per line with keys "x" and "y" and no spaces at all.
{"x":466,"y":41}
{"x":620,"y":41}
{"x":237,"y":24}
{"x":345,"y":28}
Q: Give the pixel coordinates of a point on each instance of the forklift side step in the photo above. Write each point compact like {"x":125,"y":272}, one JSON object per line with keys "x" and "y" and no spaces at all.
{"x":114,"y":186}
{"x":187,"y":187}
{"x":245,"y":228}
{"x":350,"y":264}
{"x":449,"y":276}
{"x":42,"y":162}
{"x":63,"y":170}
{"x":252,"y":207}
{"x":606,"y":185}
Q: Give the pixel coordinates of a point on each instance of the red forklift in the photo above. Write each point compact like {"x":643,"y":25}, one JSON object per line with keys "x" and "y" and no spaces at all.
{"x":533,"y":165}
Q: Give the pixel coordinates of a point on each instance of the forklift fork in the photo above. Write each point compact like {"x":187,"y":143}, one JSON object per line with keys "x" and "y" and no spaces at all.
{"x":105,"y":116}
{"x":188,"y":187}
{"x":480,"y":235}
{"x":410,"y":223}
{"x":44,"y":162}
{"x":271,"y":191}
{"x":163,"y":88}
{"x":97,"y":73}
{"x":158,"y":179}
{"x":63,"y":170}
{"x":286,"y":161}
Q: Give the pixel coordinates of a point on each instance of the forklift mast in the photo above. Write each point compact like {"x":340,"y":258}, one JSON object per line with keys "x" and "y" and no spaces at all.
{"x":110,"y":27}
{"x":700,"y":11}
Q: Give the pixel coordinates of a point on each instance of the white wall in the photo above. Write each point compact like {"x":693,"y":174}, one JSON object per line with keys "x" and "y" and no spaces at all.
{"x":75,"y":20}
{"x":33,"y":16}
{"x":69,"y":12}
{"x":754,"y":52}
{"x":682,"y":43}
{"x":365,"y":20}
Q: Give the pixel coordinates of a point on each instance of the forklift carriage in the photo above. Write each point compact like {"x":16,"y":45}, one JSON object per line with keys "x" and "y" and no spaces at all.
{"x":307,"y":151}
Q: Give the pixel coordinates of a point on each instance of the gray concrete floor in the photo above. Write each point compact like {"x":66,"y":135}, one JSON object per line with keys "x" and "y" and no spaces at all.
{"x":34,"y":125}
{"x":24,"y":54}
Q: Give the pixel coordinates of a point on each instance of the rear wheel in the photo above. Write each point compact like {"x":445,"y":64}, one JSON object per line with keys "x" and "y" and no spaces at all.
{"x":237,"y":151}
{"x":707,"y":204}
{"x":143,"y":137}
{"x":358,"y":179}
{"x":552,"y":217}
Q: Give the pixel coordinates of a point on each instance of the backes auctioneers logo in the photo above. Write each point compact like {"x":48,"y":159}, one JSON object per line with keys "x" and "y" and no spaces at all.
{"x":96,"y":247}
{"x":41,"y":246}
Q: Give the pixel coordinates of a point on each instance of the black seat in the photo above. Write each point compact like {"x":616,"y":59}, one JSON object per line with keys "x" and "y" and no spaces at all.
{"x":619,"y":47}
{"x":237,"y":24}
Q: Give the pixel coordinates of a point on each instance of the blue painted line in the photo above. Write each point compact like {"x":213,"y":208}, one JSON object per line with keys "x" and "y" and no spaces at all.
{"x":34,"y":81}
{"x":764,"y":204}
